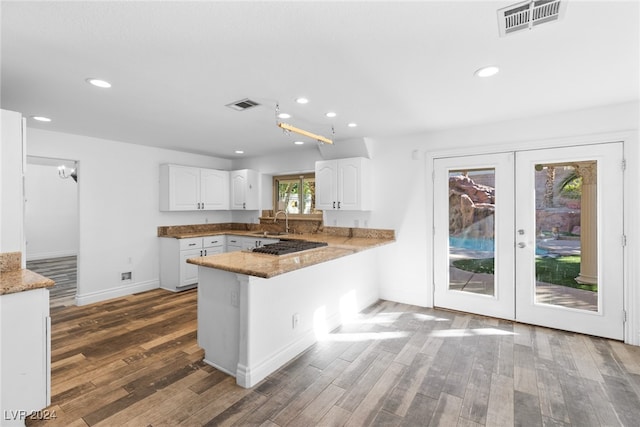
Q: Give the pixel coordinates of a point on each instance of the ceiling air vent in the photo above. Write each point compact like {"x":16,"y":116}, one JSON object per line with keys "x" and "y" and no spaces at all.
{"x":526,"y":15}
{"x":243,"y":104}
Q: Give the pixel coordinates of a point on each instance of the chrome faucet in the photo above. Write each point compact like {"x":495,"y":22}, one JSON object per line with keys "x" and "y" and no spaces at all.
{"x":286,"y":220}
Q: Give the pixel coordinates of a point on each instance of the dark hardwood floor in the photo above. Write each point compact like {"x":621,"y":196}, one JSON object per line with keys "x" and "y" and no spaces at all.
{"x":134,"y":361}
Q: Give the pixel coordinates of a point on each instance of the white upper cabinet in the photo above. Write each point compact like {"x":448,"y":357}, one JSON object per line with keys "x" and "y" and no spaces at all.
{"x":244,"y":190}
{"x":344,"y":184}
{"x":214,"y":189}
{"x":186,"y":188}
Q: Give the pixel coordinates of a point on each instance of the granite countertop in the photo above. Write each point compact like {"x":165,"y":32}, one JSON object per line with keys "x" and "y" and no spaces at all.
{"x":14,"y":279}
{"x":266,"y":266}
{"x":22,"y":280}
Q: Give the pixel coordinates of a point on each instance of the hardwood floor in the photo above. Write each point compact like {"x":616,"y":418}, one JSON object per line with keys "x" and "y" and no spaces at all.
{"x":62,"y":270}
{"x":134,"y":361}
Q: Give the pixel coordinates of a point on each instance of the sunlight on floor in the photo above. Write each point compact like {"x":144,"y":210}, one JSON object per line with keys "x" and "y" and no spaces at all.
{"x":362,"y":336}
{"x":453,"y":333}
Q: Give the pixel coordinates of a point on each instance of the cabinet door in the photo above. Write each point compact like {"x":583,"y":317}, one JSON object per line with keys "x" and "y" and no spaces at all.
{"x":26,"y":351}
{"x":188,"y":272}
{"x":326,"y":185}
{"x":349,"y":184}
{"x":184,"y":188}
{"x":238,"y":189}
{"x":214,"y":189}
{"x":244,"y":190}
{"x":248,"y":244}
{"x":233,"y":243}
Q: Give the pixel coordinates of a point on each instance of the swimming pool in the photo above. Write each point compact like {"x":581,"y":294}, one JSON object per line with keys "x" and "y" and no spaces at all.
{"x":472,"y":243}
{"x":477,"y":244}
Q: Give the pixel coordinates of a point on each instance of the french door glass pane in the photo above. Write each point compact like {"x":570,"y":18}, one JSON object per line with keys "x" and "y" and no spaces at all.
{"x":472,"y":230}
{"x":566,"y":265}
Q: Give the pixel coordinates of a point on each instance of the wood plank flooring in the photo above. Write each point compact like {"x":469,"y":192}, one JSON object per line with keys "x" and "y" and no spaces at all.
{"x":62,"y":270}
{"x":134,"y":361}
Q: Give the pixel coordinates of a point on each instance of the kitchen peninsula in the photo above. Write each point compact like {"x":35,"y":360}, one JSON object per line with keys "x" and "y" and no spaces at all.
{"x":258,"y":311}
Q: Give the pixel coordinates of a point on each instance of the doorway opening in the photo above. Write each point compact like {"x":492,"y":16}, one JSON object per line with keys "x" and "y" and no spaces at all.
{"x":51,"y":224}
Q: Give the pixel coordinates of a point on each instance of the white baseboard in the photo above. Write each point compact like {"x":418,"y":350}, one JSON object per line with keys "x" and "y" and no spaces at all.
{"x":47,"y":255}
{"x":249,"y":376}
{"x":120,"y":291}
{"x":218,"y":367}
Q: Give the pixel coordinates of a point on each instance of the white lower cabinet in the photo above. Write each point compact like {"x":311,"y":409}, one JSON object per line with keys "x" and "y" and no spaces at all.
{"x":250,"y":242}
{"x":244,"y":243}
{"x":234,"y":243}
{"x":26,"y":356}
{"x":176,"y":274}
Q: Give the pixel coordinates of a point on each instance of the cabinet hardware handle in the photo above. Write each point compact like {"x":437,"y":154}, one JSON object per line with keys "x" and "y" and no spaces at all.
{"x":200,"y":253}
{"x":244,"y":205}
{"x":202,"y":205}
{"x":192,"y":244}
{"x":334,"y":205}
{"x":338,"y":205}
{"x":205,"y":252}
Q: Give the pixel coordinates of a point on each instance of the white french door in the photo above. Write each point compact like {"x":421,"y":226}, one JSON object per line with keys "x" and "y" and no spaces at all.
{"x":473,"y":215}
{"x":534,"y":236}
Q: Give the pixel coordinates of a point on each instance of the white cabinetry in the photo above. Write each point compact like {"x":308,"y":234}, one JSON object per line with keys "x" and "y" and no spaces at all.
{"x":244,"y":190}
{"x":239,"y":243}
{"x":234,"y":243}
{"x":186,"y":188}
{"x":26,"y":354}
{"x":175,"y":273}
{"x":251,"y":242}
{"x":344,"y":184}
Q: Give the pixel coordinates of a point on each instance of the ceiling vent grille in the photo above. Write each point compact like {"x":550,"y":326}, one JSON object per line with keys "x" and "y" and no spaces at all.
{"x":243,"y":104}
{"x":529,"y":14}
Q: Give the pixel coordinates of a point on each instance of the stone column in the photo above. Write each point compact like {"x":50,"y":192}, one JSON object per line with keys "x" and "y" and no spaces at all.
{"x":588,"y":224}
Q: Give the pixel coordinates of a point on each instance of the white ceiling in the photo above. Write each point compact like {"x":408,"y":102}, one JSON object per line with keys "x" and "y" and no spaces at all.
{"x":394,"y":68}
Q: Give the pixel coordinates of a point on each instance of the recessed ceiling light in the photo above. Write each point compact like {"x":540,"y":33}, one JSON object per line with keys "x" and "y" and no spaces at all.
{"x":239,"y":152}
{"x":298,"y":142}
{"x":352,"y":125}
{"x":284,"y":116}
{"x":99,"y":83}
{"x":302,"y":100}
{"x":331,"y":114}
{"x":489,"y":71}
{"x":41,"y":118}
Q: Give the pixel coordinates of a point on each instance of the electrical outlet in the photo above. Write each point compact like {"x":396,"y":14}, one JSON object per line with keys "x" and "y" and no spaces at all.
{"x":125,"y":276}
{"x":295,"y":319}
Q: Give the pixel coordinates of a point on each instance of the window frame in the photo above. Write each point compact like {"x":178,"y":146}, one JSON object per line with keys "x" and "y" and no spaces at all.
{"x":301,"y":177}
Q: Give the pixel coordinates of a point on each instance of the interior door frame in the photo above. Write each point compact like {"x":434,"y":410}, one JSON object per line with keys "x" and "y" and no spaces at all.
{"x":631,"y":152}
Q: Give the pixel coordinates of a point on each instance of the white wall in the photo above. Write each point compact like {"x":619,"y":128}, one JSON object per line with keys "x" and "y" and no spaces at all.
{"x":404,"y":193}
{"x":12,"y":162}
{"x":118,"y":196}
{"x":51,"y":213}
